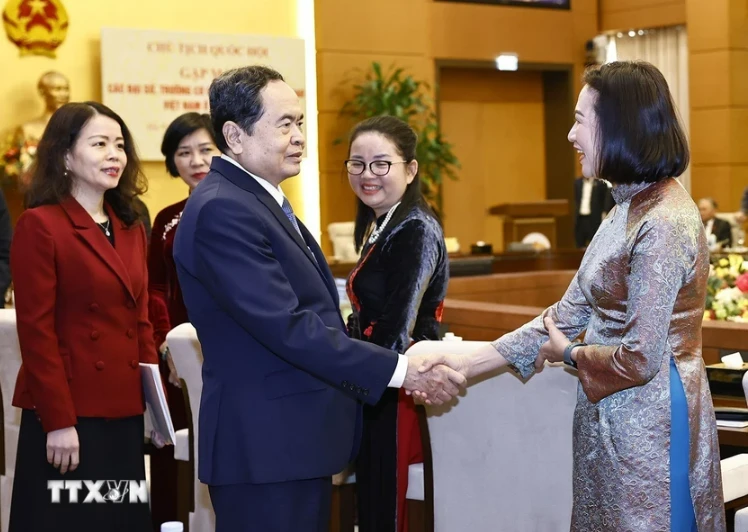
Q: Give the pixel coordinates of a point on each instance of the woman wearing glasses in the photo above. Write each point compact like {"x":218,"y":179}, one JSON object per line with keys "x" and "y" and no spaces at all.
{"x":396,"y":291}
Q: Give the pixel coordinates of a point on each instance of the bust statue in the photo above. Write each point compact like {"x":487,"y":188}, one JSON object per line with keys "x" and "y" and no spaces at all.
{"x":54,"y":88}
{"x":18,"y":153}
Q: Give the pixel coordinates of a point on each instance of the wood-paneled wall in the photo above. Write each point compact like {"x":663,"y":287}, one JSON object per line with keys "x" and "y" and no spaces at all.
{"x":633,"y":14}
{"x":496,"y":122}
{"x":718,"y":93}
{"x":350,"y":36}
{"x":534,"y":289}
{"x":481,"y":32}
{"x":413,"y":34}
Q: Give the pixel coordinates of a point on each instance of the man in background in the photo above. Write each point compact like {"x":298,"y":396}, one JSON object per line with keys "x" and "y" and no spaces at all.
{"x":742,"y":216}
{"x":593,"y":202}
{"x":717,"y":231}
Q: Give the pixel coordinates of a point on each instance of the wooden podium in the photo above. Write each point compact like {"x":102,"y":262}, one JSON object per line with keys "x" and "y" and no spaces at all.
{"x":520,"y":219}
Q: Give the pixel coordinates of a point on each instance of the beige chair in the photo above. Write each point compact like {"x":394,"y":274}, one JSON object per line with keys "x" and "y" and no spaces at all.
{"x":188,"y":359}
{"x":741,"y":520}
{"x":735,"y":478}
{"x":341,"y":236}
{"x":500,"y":441}
{"x":10,"y":363}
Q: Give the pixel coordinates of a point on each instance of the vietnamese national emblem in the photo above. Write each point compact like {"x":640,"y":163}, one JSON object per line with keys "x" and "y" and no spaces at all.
{"x":37,"y":27}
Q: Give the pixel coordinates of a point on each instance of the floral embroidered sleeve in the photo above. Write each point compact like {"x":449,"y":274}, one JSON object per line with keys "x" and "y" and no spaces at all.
{"x":570,"y":315}
{"x":661,"y":257}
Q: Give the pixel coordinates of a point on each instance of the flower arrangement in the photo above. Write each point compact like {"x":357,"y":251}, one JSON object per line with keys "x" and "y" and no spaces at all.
{"x":727,"y":290}
{"x":15,"y":158}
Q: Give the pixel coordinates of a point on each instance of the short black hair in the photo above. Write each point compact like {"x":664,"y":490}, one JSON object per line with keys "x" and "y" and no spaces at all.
{"x":179,"y":128}
{"x":235,"y":96}
{"x":639,"y":136}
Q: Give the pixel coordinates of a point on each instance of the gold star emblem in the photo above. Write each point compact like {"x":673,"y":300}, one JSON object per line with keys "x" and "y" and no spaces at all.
{"x":35,"y":26}
{"x":37,"y":7}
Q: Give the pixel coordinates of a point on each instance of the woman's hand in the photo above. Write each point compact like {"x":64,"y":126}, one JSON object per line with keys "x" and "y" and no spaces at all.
{"x":553,"y":349}
{"x":173,"y":375}
{"x":157,"y":440}
{"x":460,"y":364}
{"x":63,"y":449}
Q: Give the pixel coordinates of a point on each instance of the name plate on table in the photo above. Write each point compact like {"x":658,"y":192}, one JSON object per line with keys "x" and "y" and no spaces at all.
{"x":724,"y":381}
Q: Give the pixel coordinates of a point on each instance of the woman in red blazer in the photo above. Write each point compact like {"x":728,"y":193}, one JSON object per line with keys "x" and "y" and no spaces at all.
{"x":78,"y":261}
{"x":188,"y":147}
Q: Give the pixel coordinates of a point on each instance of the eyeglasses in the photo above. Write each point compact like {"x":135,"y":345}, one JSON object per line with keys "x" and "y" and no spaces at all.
{"x":378,"y":168}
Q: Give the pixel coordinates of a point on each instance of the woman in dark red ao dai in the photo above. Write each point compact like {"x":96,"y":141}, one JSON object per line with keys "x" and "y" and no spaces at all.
{"x":188,"y":148}
{"x":397,"y":291}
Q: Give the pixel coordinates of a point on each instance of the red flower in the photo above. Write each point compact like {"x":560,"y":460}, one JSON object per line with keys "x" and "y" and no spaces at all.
{"x":742,"y":282}
{"x":12,"y":154}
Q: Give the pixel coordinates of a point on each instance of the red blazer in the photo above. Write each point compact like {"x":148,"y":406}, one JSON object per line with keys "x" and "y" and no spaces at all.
{"x":82,"y":315}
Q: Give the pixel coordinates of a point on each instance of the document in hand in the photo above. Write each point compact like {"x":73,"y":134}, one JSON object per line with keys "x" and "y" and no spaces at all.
{"x":155,"y":400}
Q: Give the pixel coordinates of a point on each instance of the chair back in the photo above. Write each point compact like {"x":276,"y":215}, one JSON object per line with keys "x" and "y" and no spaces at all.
{"x":10,"y":364}
{"x":502,"y":451}
{"x":188,"y":360}
{"x":341,"y":236}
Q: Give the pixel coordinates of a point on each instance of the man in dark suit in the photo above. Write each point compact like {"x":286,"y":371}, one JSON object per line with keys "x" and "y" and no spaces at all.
{"x":718,"y":231}
{"x":283,"y":384}
{"x":593,"y":201}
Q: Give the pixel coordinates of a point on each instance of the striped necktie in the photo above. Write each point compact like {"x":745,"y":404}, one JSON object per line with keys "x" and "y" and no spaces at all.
{"x":291,"y":216}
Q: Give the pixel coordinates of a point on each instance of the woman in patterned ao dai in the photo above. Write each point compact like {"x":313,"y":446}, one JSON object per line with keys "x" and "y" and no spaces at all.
{"x":646,"y":455}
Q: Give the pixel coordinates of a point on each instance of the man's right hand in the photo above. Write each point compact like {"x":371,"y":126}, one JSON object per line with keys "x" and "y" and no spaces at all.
{"x":63,"y":449}
{"x":437,"y":385}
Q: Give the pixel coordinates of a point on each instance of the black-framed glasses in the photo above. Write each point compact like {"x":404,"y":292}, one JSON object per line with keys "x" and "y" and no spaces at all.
{"x":378,"y":168}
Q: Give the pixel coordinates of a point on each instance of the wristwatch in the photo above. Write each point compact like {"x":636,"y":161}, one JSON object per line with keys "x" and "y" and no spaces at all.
{"x":567,"y":353}
{"x":165,"y":353}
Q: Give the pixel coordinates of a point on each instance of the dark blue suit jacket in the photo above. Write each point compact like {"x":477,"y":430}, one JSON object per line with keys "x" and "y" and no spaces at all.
{"x":282,"y":381}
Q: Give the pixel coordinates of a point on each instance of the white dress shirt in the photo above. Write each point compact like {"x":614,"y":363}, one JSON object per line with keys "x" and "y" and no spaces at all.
{"x":708,"y":227}
{"x":398,"y":377}
{"x":584,"y":206}
{"x":276,"y":192}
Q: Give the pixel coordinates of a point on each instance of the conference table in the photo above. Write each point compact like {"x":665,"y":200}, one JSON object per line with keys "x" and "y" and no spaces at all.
{"x":732,"y":437}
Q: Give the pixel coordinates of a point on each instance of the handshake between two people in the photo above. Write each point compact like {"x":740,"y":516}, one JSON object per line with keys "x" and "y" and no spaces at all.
{"x":435,"y":379}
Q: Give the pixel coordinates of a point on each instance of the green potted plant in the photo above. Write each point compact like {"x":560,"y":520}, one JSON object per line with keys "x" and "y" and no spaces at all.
{"x":398,"y":94}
